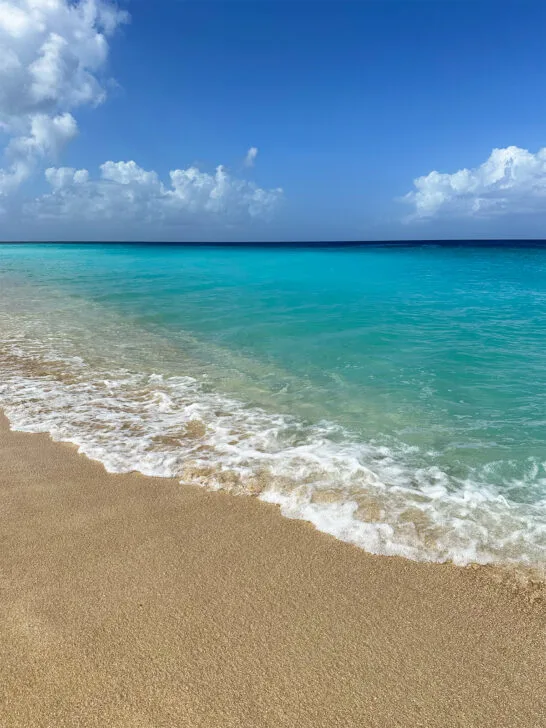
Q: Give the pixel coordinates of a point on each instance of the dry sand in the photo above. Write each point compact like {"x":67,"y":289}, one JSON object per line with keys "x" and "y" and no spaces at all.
{"x":130,"y":601}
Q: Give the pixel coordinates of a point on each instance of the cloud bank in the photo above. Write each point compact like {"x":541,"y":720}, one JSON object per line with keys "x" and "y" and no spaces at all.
{"x":126,"y":192}
{"x":510,"y":181}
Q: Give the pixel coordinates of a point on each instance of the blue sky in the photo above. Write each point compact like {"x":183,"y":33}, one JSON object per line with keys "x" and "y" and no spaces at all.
{"x":347,"y":104}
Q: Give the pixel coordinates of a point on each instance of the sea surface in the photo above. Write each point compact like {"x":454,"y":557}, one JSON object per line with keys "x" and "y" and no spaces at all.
{"x":393,"y":396}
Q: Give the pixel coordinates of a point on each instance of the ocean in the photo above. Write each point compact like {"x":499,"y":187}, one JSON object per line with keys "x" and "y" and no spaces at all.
{"x":393,"y":396}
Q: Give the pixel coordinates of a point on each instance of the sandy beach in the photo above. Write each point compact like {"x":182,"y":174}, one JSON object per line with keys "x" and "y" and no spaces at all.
{"x":129,"y":601}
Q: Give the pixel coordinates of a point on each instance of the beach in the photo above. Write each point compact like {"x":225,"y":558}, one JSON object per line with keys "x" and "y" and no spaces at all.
{"x":132,"y":601}
{"x":272,"y":365}
{"x":393,"y":398}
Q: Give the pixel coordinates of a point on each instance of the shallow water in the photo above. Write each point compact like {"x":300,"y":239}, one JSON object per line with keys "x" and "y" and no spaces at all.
{"x":396,"y":397}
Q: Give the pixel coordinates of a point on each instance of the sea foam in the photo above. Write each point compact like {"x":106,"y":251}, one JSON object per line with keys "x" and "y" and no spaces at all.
{"x":363,"y":493}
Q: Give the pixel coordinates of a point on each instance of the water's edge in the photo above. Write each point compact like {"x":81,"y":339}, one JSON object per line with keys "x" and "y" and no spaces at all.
{"x":527,"y":583}
{"x":358,"y":492}
{"x":127,"y":358}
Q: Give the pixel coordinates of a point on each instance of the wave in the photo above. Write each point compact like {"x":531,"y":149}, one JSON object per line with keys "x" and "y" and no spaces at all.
{"x":366,"y":493}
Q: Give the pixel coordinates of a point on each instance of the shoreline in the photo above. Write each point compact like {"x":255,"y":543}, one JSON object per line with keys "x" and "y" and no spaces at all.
{"x":136,"y":601}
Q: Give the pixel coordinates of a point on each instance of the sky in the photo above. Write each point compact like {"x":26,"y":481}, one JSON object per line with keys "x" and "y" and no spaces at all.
{"x":263,"y":120}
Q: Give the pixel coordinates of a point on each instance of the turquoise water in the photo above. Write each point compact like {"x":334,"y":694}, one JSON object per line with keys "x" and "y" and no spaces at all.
{"x":396,"y":397}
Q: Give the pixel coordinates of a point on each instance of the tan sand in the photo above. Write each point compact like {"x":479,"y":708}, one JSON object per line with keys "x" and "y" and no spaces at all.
{"x":129,"y":601}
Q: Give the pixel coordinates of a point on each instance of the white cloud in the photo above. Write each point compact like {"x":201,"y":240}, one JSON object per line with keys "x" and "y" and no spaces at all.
{"x":52,"y":53}
{"x":126,"y":192}
{"x":53,"y":56}
{"x":46,"y":137}
{"x":511,"y":180}
{"x":63,"y":177}
{"x":128,"y":172}
{"x":250,"y":158}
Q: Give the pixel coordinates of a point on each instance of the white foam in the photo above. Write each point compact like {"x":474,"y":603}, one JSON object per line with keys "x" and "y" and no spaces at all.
{"x":358,"y":492}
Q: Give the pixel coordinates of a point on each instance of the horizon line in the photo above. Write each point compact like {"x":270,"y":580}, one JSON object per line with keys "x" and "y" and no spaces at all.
{"x":444,"y":242}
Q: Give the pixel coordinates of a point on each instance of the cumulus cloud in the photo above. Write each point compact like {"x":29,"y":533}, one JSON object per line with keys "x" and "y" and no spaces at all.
{"x":126,"y":192}
{"x":53,"y":56}
{"x":250,"y":158}
{"x":52,"y":53}
{"x":511,"y":180}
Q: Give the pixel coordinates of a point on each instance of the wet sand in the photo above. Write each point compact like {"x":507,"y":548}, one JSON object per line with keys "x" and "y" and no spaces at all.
{"x":128,"y":601}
